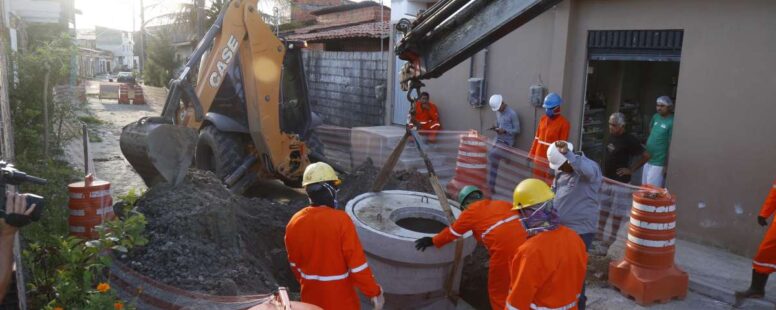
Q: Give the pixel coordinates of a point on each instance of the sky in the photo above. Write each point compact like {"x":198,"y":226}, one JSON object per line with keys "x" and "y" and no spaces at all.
{"x":118,"y":14}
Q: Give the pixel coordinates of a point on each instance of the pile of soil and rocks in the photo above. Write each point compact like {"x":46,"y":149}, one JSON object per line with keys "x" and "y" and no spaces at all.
{"x":363,"y":177}
{"x":203,"y":238}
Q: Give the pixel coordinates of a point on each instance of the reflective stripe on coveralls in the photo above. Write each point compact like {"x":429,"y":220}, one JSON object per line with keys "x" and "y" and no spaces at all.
{"x":329,"y":278}
{"x":493,"y":224}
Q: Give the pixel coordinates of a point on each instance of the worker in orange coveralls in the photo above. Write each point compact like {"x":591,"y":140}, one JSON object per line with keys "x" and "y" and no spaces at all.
{"x":549,"y":268}
{"x":552,"y":127}
{"x":323,"y":248}
{"x":764,"y":262}
{"x":495,"y":225}
{"x":426,"y":117}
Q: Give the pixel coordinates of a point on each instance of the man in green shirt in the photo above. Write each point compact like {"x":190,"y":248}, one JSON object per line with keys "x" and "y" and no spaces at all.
{"x":661,"y":127}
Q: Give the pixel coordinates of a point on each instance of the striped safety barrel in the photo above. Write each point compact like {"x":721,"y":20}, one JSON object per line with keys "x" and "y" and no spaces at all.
{"x":471,"y":166}
{"x":123,"y":94}
{"x":648,"y":273}
{"x":139,"y":98}
{"x":90,"y":205}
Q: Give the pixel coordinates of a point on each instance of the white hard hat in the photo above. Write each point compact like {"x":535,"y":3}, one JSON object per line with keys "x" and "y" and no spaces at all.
{"x":555,"y":157}
{"x":495,"y":102}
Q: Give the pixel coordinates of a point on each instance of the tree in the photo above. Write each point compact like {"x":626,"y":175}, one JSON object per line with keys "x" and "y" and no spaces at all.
{"x":161,"y":63}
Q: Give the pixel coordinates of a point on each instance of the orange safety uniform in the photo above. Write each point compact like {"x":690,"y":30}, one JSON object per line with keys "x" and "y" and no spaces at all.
{"x":548,"y":271}
{"x":549,"y":131}
{"x":327,"y":258}
{"x":496,"y":226}
{"x":428,"y":119}
{"x":765,"y":260}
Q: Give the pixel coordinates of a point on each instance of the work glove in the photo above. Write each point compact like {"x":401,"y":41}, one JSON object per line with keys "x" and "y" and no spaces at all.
{"x":761,"y":220}
{"x":422,"y":243}
{"x":379,"y":300}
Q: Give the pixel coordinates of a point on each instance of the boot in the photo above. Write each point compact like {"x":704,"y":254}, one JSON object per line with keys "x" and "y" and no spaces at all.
{"x":757,"y":288}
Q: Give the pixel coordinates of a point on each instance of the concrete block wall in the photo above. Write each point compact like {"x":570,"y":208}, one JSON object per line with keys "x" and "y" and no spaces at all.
{"x":344,"y":88}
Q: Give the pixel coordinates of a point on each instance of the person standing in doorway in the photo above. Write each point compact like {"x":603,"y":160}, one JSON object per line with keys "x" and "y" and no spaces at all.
{"x":552,"y":127}
{"x":615,"y":200}
{"x":426,"y":117}
{"x":324,"y":251}
{"x":507,"y":127}
{"x":661,"y":128}
{"x":764,"y":262}
{"x":576,"y":185}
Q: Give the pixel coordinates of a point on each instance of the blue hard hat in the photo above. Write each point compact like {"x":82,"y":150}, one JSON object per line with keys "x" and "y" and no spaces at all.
{"x":552,"y":100}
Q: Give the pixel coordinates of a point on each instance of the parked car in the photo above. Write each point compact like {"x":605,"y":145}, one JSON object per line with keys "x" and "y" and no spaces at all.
{"x":125,"y":77}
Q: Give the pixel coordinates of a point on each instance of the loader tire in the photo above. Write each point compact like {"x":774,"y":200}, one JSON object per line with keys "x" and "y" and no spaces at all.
{"x":220,"y":152}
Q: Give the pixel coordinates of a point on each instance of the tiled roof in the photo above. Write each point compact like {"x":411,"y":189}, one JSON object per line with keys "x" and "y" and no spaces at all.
{"x":365,"y":30}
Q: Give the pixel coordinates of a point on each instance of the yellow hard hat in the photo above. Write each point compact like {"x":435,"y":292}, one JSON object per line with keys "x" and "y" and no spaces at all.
{"x":530,"y":192}
{"x":319,"y":172}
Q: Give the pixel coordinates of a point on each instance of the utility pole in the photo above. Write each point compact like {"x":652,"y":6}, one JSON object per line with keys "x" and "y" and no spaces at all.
{"x":199,"y":13}
{"x":142,"y":37}
{"x":46,"y":113}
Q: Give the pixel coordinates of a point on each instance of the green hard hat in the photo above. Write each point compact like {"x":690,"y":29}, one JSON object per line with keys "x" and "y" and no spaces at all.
{"x":466,"y":191}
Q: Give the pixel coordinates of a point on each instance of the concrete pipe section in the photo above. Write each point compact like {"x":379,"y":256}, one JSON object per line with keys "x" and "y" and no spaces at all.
{"x":388,"y":223}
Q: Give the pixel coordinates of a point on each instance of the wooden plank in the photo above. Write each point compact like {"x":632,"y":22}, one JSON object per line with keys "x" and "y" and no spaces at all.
{"x":385,"y":172}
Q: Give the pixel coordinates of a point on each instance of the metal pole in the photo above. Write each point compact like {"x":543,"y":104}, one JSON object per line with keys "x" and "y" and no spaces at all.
{"x":46,"y":114}
{"x":276,"y":11}
{"x":382,"y":20}
{"x":142,"y":37}
{"x":86,"y":150}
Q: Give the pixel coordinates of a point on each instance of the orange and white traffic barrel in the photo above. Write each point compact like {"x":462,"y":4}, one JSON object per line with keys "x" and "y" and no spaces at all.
{"x":90,"y":205}
{"x":648,"y":273}
{"x":471,"y":166}
{"x":138,"y":99}
{"x":123,"y":94}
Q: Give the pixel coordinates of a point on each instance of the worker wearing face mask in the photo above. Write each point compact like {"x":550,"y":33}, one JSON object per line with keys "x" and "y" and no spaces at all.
{"x":552,"y":127}
{"x":549,"y":268}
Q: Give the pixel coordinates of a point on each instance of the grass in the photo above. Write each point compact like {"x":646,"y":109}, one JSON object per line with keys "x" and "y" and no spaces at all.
{"x":91,"y":120}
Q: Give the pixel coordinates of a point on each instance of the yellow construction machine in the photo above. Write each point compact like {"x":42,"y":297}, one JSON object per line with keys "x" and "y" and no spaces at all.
{"x":238,"y":108}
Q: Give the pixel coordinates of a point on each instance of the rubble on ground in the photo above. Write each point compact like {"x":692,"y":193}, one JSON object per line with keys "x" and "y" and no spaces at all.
{"x":203,"y":238}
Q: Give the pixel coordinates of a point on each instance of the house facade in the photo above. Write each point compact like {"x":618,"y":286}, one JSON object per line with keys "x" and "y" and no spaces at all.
{"x":711,"y":56}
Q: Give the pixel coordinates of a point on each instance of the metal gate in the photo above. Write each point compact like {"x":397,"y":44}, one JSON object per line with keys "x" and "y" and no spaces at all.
{"x":635,"y":45}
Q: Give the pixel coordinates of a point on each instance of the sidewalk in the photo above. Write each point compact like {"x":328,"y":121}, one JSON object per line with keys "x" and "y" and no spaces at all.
{"x":713,"y":272}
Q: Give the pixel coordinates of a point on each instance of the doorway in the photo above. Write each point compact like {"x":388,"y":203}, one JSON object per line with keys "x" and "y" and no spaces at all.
{"x":626,"y":72}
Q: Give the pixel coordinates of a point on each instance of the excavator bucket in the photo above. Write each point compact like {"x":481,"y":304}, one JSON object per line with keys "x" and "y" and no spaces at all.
{"x":158,"y":150}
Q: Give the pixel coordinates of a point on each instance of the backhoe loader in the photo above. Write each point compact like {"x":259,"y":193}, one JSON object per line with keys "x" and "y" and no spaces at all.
{"x":238,"y":108}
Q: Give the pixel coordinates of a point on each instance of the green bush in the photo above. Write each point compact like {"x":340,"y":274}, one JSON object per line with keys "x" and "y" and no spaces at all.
{"x":63,"y":271}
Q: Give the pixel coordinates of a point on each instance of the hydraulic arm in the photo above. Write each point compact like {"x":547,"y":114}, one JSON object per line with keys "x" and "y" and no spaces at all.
{"x":453,"y":30}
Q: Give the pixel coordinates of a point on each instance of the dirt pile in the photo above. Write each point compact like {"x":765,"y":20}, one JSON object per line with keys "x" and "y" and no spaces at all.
{"x":203,"y":238}
{"x":361,"y":179}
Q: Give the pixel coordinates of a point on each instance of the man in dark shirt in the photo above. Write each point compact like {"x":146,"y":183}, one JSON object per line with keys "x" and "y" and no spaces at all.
{"x":615,"y":198}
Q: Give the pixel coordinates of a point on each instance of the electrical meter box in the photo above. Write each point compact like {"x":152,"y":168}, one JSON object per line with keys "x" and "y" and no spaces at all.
{"x":537,"y":95}
{"x":476,"y":97}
